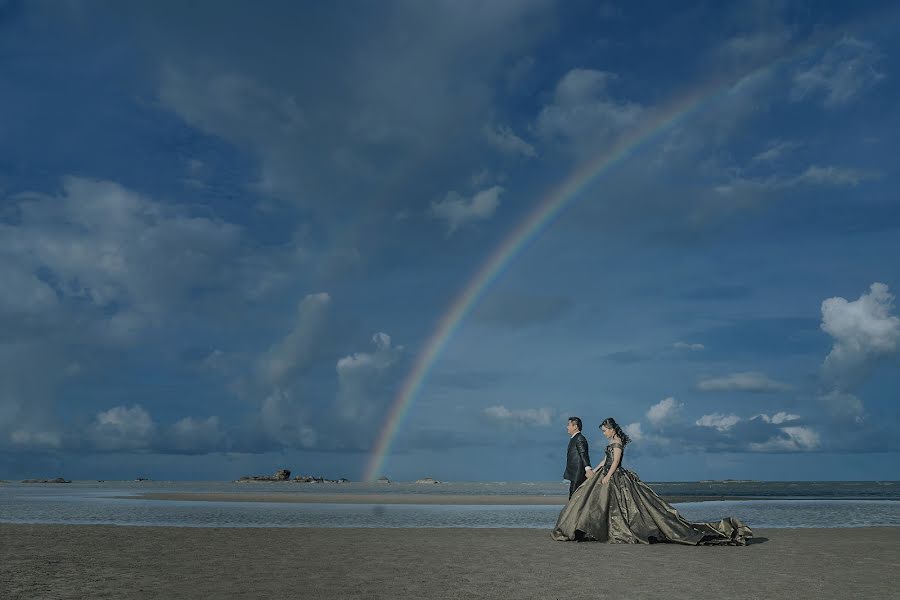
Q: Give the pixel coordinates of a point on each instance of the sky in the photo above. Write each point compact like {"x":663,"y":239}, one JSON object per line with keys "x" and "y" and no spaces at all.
{"x":233,"y":237}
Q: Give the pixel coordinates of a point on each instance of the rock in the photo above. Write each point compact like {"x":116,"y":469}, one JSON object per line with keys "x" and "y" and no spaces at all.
{"x":280,"y":475}
{"x":383,"y":479}
{"x":57,"y":480}
{"x":311,"y":479}
{"x":427,"y":480}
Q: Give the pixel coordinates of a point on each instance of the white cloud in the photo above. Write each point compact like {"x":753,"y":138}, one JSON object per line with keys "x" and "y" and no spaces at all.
{"x":843,"y":406}
{"x":300,"y":347}
{"x":584,"y":114}
{"x":718,"y":421}
{"x":775,"y":151}
{"x":359,"y":375}
{"x":458,"y":211}
{"x":863,"y":331}
{"x":791,"y":439}
{"x":34,"y":440}
{"x":749,"y":381}
{"x":527,"y":416}
{"x":688,"y":346}
{"x":846,"y":70}
{"x":285,"y":420}
{"x":831,"y":175}
{"x":663,"y":411}
{"x":191,"y":435}
{"x":634,"y":431}
{"x":504,"y":139}
{"x":778,"y":418}
{"x":123,"y":428}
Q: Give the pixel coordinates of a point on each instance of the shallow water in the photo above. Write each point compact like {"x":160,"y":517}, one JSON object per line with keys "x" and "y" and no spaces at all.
{"x":776,"y":504}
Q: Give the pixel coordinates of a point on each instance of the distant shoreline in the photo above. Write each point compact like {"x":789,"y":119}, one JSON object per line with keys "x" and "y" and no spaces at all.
{"x":429,"y":499}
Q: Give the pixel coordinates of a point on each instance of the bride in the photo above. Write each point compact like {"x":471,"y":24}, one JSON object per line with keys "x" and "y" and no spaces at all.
{"x":615,"y":506}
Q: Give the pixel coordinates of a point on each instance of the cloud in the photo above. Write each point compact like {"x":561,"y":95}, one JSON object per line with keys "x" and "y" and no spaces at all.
{"x":302,"y":345}
{"x":361,"y":394}
{"x":846,"y":70}
{"x":837,"y":176}
{"x":748,"y":381}
{"x":663,"y":412}
{"x":529,"y":416}
{"x":776,"y":150}
{"x":778,"y":418}
{"x":196,"y":436}
{"x":843,"y":406}
{"x":718,"y":421}
{"x":688,"y":346}
{"x":504,"y":139}
{"x":458,"y":211}
{"x":863,"y":330}
{"x":583,"y":114}
{"x":634,"y":431}
{"x":790,"y":439}
{"x":123,"y":428}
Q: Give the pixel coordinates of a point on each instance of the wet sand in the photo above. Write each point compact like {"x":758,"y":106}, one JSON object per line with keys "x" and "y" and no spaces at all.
{"x":87,"y":561}
{"x":446,"y":499}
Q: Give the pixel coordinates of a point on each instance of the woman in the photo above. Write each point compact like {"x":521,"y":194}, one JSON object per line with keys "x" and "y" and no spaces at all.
{"x":615,"y":506}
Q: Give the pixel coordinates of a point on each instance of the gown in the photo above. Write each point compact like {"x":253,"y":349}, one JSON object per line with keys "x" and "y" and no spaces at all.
{"x":627,"y":511}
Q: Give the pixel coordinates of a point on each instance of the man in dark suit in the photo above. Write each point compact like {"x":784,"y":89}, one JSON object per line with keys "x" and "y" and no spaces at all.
{"x":577,"y":457}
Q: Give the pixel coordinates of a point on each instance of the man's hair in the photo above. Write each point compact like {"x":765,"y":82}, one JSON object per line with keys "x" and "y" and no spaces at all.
{"x":577,"y":422}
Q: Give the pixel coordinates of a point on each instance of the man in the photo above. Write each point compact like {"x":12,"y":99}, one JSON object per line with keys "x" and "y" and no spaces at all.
{"x":577,"y":458}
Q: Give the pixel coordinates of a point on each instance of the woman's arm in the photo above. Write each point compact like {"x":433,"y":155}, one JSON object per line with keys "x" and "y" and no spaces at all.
{"x":590,"y":472}
{"x":617,"y":458}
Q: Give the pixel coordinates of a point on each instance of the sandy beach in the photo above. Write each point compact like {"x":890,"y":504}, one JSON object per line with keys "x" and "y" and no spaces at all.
{"x":72,"y":561}
{"x":446,"y":499}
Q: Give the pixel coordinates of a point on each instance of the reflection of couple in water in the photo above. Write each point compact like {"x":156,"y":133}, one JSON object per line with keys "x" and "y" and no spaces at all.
{"x":609,"y":503}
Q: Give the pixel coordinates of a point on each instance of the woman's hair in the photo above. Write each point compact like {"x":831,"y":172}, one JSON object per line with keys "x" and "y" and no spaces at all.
{"x":610,"y":423}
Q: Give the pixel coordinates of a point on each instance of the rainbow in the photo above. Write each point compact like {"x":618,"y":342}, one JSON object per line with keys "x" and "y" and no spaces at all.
{"x":527,"y":230}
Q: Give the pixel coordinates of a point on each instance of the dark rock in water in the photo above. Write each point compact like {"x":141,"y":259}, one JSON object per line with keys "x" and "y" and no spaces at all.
{"x":57,"y":480}
{"x":383,"y":479}
{"x":313,"y":479}
{"x":427,"y":480}
{"x":280,"y":475}
{"x":142,"y":479}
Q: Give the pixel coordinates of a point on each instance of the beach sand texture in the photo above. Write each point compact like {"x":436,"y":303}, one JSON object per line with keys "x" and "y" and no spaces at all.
{"x":88,"y":561}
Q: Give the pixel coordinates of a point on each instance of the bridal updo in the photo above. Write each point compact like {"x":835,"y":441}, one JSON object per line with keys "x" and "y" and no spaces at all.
{"x":610,"y":423}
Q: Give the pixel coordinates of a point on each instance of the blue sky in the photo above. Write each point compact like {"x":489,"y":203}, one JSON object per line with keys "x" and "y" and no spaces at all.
{"x":227,"y":232}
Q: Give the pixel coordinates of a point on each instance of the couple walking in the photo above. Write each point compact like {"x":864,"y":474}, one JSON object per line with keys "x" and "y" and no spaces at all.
{"x":609,"y":503}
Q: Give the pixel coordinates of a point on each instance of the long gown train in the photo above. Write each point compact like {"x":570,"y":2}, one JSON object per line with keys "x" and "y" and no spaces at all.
{"x":627,"y":511}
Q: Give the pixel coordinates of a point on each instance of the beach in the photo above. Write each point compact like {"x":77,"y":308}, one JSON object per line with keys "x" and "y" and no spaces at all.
{"x":100,"y":561}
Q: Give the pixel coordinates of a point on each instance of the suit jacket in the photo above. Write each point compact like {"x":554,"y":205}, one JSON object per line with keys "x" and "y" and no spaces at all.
{"x":577,"y":458}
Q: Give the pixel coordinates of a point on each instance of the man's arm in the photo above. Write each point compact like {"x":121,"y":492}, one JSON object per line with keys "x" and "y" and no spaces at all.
{"x":581,"y":446}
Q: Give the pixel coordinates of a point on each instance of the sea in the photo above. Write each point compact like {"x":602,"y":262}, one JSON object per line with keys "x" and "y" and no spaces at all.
{"x":760,"y":504}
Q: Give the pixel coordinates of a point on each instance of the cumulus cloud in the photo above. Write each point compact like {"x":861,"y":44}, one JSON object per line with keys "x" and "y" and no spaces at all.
{"x":196,"y":436}
{"x":584,"y":114}
{"x":664,"y":412}
{"x":123,"y":428}
{"x":457,"y":211}
{"x":790,"y":439}
{"x":634,"y":431}
{"x":361,"y":393}
{"x":718,"y":421}
{"x":778,"y":418}
{"x":864,"y":331}
{"x":505,"y":140}
{"x":282,"y":363}
{"x":748,"y":381}
{"x":526,"y":416}
{"x":845,"y":71}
